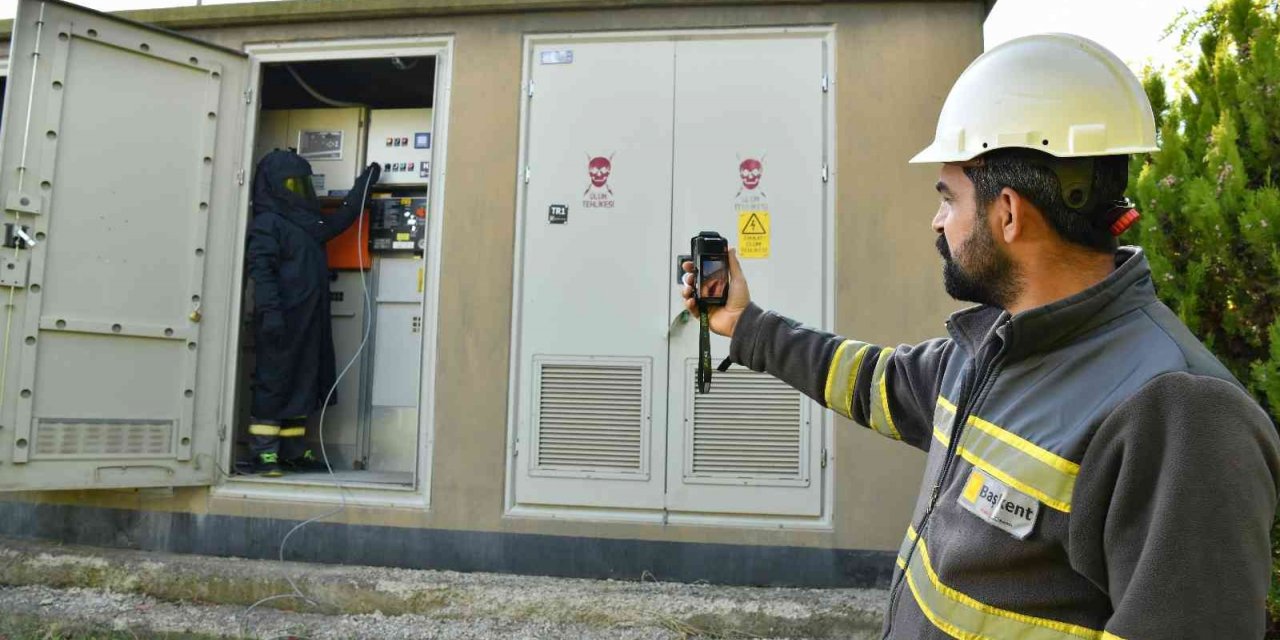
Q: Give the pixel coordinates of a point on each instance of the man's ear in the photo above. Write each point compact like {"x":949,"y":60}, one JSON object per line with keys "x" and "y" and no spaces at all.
{"x":1009,"y":214}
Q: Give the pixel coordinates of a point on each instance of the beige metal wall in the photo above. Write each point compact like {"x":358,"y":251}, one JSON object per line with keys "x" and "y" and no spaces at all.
{"x":894,"y":64}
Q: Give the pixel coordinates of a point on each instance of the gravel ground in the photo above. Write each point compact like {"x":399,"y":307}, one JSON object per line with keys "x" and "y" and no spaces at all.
{"x":146,"y":617}
{"x":154,"y":594}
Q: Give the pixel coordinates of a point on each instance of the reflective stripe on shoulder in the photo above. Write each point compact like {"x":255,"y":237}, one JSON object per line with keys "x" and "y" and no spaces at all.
{"x":961,"y":616}
{"x":842,"y":376}
{"x":1010,"y":458}
{"x":881,"y":418}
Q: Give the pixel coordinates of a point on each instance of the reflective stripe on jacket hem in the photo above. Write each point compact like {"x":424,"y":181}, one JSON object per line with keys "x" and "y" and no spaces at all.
{"x":965,"y":618}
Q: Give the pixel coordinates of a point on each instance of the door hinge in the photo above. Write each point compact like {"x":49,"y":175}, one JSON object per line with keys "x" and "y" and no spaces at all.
{"x":240,"y":177}
{"x":530,"y":88}
{"x":515,"y":451}
{"x":826,"y":83}
{"x":248,"y":96}
{"x":526,"y":174}
{"x":222,"y":433}
{"x":826,"y":172}
{"x":824,"y":457}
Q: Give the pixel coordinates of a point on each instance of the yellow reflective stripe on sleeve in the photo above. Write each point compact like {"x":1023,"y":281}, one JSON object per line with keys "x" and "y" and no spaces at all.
{"x":1110,"y":636}
{"x":842,"y":376}
{"x":833,"y":372}
{"x":881,"y":418}
{"x":964,"y":617}
{"x":264,"y":430}
{"x":1011,"y":459}
{"x":293,"y":432}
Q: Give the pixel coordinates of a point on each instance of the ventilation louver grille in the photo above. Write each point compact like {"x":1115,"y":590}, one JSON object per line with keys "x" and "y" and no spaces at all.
{"x":748,"y":426}
{"x":71,"y":438}
{"x":591,"y":418}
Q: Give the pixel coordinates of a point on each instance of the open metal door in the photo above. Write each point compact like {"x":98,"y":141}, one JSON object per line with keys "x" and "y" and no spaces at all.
{"x":121,"y":163}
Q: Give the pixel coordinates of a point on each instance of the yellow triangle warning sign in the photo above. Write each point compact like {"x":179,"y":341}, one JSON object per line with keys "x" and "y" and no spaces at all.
{"x":753,"y":234}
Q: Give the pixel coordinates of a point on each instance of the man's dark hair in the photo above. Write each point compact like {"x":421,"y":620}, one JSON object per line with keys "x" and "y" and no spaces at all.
{"x":1031,"y":174}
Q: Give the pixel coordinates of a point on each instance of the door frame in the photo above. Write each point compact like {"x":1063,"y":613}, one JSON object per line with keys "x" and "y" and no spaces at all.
{"x":419,"y":495}
{"x":822,"y":420}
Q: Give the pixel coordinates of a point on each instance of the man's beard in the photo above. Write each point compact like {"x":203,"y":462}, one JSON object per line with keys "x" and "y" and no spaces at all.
{"x":989,"y":277}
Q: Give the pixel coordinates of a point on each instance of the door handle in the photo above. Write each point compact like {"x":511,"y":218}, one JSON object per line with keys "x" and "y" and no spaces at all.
{"x":681,"y":318}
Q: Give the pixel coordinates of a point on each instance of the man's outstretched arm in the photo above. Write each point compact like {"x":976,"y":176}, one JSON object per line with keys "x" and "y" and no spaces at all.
{"x":890,"y":390}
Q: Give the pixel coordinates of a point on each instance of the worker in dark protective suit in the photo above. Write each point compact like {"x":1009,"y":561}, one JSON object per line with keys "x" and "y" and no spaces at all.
{"x":293,"y":335}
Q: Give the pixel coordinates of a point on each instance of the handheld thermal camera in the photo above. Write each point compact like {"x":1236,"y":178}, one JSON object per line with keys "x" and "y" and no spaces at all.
{"x":709,"y":252}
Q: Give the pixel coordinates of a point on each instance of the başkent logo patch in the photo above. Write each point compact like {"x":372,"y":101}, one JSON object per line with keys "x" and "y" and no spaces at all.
{"x":999,"y":505}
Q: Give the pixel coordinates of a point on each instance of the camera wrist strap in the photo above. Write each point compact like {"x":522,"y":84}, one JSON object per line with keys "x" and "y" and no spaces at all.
{"x":704,"y":349}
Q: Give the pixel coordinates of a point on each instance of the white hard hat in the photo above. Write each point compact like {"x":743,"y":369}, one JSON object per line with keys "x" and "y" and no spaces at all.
{"x":1058,"y":93}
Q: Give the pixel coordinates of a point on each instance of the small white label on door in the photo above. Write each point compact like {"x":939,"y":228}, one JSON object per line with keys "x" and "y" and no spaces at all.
{"x":560,"y":56}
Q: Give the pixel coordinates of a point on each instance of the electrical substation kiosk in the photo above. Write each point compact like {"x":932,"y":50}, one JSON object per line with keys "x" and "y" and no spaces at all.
{"x":129,"y":154}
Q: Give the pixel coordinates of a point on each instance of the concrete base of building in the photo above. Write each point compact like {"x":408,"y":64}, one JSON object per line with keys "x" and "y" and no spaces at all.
{"x":495,"y":552}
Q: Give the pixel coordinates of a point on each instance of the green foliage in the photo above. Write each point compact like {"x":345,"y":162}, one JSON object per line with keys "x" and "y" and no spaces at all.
{"x":1209,"y":197}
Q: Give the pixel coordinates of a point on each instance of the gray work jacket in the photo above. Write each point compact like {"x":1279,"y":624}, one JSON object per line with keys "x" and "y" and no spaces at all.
{"x":1093,"y":471}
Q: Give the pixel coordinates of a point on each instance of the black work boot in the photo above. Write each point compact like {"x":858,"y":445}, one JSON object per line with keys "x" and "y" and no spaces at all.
{"x":267,"y":465}
{"x":306,"y":462}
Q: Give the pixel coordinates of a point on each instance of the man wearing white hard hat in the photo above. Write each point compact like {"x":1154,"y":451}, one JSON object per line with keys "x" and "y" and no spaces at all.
{"x":1093,"y":471}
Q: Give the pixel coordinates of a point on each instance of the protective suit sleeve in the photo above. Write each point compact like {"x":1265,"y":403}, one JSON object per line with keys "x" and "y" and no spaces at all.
{"x":349,"y":211}
{"x":1172,"y":511}
{"x":890,"y":390}
{"x":264,"y":266}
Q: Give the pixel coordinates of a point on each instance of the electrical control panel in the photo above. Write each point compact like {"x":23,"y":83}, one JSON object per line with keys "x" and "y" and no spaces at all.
{"x":397,"y":224}
{"x":400,"y":140}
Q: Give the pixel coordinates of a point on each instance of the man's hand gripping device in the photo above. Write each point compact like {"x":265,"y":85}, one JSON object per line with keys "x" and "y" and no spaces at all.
{"x":710,"y":257}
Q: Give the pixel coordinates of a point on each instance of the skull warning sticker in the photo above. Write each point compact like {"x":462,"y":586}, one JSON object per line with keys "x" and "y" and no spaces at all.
{"x":751,"y":195}
{"x":599,"y":195}
{"x":999,"y":505}
{"x":753,"y":234}
{"x":751,"y":171}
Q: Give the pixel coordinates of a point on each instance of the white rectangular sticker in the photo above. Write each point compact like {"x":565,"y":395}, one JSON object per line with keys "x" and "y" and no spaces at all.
{"x":999,"y":505}
{"x":320,"y":145}
{"x":561,"y":56}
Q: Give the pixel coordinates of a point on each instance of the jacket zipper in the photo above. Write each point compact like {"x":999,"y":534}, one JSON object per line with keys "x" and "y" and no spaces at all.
{"x":968,"y":401}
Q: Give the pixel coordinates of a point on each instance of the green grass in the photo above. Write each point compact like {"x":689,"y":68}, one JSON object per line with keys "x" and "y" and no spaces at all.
{"x":24,"y":627}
